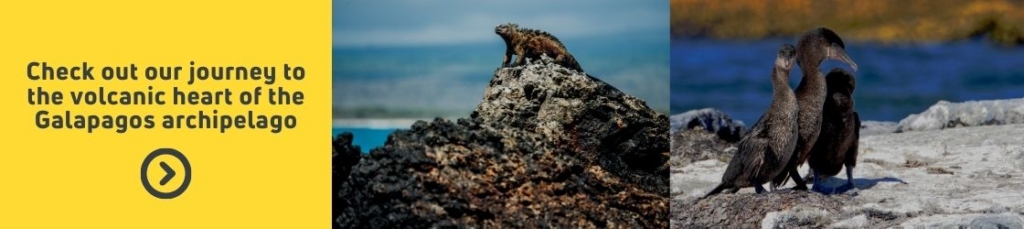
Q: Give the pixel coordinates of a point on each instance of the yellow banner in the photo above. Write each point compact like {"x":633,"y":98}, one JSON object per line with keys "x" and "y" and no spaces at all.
{"x":97,"y":97}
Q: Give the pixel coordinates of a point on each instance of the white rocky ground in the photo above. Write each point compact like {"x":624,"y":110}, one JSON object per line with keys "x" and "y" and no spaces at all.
{"x":958,"y":177}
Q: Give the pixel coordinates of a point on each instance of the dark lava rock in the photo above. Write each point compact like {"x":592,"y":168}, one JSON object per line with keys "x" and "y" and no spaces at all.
{"x":547,"y":147}
{"x":584,"y":115}
{"x":710,"y":120}
{"x":343,"y":156}
{"x":693,"y":145}
{"x":748,"y":210}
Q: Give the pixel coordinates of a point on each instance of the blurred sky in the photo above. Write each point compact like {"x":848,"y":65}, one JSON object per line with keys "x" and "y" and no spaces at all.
{"x":417,"y":23}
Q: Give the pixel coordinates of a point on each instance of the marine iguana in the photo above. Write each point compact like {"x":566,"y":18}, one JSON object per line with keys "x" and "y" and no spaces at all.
{"x":531,"y":43}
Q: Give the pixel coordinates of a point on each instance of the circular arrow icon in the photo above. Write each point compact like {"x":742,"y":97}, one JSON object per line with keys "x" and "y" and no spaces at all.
{"x":169,"y":173}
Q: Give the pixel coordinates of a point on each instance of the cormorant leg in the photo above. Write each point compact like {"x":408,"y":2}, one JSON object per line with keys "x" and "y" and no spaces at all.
{"x":734,"y":190}
{"x":849,"y":181}
{"x":814,"y":182}
{"x":819,"y":187}
{"x":758,"y":188}
{"x":849,"y":176}
{"x":800,"y":184}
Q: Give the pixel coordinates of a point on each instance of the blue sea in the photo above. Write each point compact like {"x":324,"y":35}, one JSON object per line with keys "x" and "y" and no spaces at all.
{"x":449,"y":80}
{"x":365,"y":138}
{"x":893,"y":81}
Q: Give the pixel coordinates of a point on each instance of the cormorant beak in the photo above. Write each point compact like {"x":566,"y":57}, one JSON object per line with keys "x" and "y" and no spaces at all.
{"x":838,"y":53}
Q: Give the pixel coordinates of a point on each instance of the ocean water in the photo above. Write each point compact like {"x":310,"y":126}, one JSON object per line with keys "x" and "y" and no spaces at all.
{"x":449,"y":80}
{"x":365,"y":138}
{"x":893,"y":81}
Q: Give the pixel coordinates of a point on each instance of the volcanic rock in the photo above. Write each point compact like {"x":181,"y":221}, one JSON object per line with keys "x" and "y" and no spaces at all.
{"x":710,"y":120}
{"x":547,"y":147}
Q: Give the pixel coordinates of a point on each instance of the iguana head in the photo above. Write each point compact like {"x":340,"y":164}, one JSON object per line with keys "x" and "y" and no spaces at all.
{"x":506,"y":30}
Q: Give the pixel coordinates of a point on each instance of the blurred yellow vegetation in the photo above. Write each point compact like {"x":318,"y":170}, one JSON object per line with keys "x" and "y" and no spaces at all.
{"x":867,"y":20}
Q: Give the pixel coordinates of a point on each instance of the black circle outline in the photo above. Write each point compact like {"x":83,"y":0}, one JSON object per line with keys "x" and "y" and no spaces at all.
{"x":184,"y":184}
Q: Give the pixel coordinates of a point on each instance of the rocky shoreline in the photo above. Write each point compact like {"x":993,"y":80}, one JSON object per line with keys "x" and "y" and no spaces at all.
{"x":953,"y":165}
{"x":547,"y":147}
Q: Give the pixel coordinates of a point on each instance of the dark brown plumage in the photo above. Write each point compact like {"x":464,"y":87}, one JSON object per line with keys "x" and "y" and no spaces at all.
{"x":764,"y":150}
{"x":813,"y":47}
{"x":530,"y":43}
{"x":840,"y":130}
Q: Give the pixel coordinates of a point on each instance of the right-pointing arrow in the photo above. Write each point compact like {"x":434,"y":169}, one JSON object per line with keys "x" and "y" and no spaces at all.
{"x":170,"y":173}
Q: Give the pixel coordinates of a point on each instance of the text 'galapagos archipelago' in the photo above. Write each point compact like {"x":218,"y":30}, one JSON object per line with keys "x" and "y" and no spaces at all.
{"x":121,"y":105}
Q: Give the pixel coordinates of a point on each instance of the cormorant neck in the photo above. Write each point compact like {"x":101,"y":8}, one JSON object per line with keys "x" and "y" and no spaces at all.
{"x":780,"y":80}
{"x":811,"y":73}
